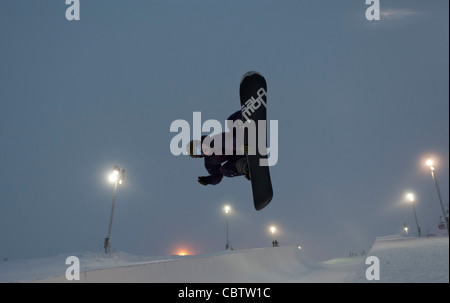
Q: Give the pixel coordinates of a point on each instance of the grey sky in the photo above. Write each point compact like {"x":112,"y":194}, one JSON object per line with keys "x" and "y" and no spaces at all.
{"x":360,"y":105}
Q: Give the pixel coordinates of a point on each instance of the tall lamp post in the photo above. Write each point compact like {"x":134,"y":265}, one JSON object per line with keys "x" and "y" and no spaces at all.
{"x":116,"y":177}
{"x":411,"y":198}
{"x":433,"y":175}
{"x":405,"y":228}
{"x":227,"y":210}
{"x":274,"y":241}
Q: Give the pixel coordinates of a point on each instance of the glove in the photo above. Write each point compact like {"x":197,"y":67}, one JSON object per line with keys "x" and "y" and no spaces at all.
{"x":203,"y":180}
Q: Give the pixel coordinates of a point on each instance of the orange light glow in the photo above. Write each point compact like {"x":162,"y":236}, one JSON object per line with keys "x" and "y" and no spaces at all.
{"x":182,"y":251}
{"x":182,"y":248}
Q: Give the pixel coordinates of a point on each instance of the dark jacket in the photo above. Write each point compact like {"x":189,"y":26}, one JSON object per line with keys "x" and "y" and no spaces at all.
{"x":223,"y":165}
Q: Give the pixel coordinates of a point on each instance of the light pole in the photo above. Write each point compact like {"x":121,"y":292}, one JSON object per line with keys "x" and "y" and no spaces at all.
{"x":117,"y":176}
{"x":227,"y":210}
{"x":411,"y":198}
{"x":274,"y":241}
{"x":405,"y":228}
{"x":433,"y":175}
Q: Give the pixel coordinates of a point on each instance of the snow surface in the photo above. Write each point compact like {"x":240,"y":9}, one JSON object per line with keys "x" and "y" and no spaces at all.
{"x":405,"y":260}
{"x":402,"y":259}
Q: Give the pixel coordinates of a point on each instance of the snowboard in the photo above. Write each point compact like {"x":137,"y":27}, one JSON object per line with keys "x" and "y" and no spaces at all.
{"x":253,"y":95}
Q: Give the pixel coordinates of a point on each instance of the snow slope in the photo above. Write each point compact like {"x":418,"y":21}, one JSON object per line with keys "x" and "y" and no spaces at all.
{"x":401,"y":260}
{"x":410,"y":259}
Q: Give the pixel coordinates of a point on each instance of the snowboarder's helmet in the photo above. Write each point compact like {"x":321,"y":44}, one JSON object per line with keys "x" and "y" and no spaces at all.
{"x":194,"y":149}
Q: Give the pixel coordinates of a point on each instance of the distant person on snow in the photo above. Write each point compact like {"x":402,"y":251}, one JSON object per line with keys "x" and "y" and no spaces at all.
{"x":227,"y":165}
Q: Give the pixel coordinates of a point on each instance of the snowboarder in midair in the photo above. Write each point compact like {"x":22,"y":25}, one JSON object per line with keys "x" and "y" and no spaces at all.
{"x":220,"y":165}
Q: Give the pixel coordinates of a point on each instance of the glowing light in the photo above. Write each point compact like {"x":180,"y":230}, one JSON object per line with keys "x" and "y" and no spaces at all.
{"x":429,"y":163}
{"x":410,"y":197}
{"x":182,"y":251}
{"x":227,"y":209}
{"x":273,"y":229}
{"x":116,"y":175}
{"x":113,"y":177}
